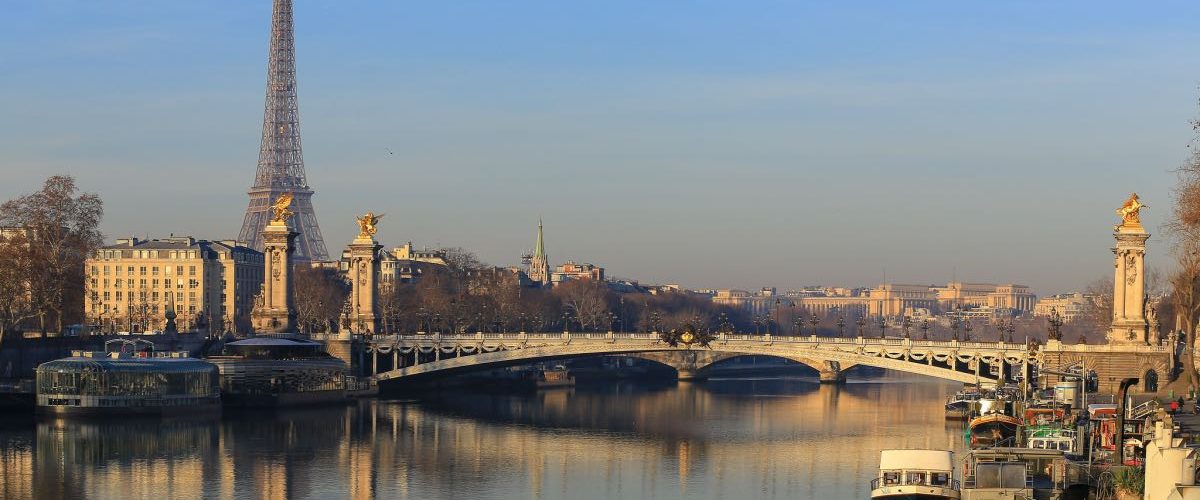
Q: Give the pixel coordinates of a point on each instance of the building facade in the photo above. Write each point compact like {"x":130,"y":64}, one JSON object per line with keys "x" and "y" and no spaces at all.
{"x":1070,"y":306}
{"x":210,"y":284}
{"x":573,"y":271}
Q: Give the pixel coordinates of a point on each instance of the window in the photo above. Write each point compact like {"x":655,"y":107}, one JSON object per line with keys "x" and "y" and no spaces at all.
{"x":131,"y":270}
{"x":167,"y":282}
{"x":1151,"y":381}
{"x":191,"y":270}
{"x":118,"y":295}
{"x":117,"y":270}
{"x":143,"y":270}
{"x":105,"y":295}
{"x":95,"y":271}
{"x":154,"y":283}
{"x":154,"y":296}
{"x":105,"y":282}
{"x":179,"y":270}
{"x":106,"y":270}
{"x":117,"y":284}
{"x":154,"y":270}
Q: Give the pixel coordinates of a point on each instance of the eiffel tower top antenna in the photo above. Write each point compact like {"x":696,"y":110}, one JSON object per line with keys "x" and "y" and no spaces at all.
{"x":280,"y":158}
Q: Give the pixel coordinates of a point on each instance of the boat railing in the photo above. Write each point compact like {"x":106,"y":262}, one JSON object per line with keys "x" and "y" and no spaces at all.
{"x":927,"y":480}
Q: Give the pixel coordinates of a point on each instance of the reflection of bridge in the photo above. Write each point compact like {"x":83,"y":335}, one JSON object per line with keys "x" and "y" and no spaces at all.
{"x":403,"y":357}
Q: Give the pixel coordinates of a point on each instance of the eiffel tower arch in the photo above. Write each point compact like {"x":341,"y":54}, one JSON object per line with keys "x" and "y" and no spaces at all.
{"x":280,"y":158}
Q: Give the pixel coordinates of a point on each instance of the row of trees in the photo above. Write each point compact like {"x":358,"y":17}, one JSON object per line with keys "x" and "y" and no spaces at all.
{"x":47,"y":236}
{"x":467,"y":295}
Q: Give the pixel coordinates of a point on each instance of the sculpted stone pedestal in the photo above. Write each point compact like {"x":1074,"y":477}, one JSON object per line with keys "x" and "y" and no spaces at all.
{"x":363,"y":274}
{"x":273,"y":311}
{"x":1129,"y":324}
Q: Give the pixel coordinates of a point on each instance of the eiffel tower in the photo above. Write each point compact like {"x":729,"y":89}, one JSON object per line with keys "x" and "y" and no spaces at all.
{"x":280,"y":160}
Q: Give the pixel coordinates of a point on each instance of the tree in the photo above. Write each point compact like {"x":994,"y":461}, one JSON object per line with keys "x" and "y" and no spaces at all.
{"x":587,"y":301}
{"x":62,"y":230}
{"x":319,"y":294}
{"x":1184,"y":229}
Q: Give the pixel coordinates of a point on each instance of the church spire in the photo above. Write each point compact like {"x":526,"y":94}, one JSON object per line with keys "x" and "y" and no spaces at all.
{"x":539,"y":264}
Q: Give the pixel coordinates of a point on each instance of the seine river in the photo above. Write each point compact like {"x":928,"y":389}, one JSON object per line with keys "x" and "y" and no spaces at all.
{"x":724,"y":438}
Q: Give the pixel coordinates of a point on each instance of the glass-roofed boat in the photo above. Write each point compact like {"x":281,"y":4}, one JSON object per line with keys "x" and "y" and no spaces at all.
{"x":133,"y":380}
{"x":279,"y":370}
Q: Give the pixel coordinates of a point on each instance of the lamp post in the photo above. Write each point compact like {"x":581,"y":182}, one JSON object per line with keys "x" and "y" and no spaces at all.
{"x":815,"y":322}
{"x":1009,"y":329}
{"x":955,"y":324}
{"x":967,"y":330}
{"x":882,"y":327}
{"x":1055,"y":325}
{"x":841,"y":326}
{"x":906,"y":323}
{"x":861,"y":323}
{"x":925,"y":329}
{"x":799,"y":322}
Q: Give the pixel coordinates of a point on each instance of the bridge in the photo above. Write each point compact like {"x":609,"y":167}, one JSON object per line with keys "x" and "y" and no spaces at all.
{"x":405,"y":357}
{"x":396,"y":358}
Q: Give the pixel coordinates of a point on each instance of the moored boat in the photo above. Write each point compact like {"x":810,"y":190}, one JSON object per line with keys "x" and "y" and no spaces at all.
{"x":550,"y":378}
{"x":125,"y":383}
{"x":283,"y":370}
{"x":993,"y":429}
{"x":915,"y":474}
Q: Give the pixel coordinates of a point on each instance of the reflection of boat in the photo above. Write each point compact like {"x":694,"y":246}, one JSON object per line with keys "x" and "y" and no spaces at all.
{"x":994,"y":429}
{"x":558,"y":376}
{"x":913,"y":474}
{"x":279,"y":371}
{"x":144,"y":383}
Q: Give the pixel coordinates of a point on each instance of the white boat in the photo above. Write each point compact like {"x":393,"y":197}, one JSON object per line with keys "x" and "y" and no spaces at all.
{"x":924,"y":474}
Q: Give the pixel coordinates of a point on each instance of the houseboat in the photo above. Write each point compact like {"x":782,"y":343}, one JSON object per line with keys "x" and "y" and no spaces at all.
{"x":127,"y":383}
{"x":962,"y":404}
{"x":276,"y":371}
{"x":915,"y":474}
{"x":1011,"y":473}
{"x":550,"y":378}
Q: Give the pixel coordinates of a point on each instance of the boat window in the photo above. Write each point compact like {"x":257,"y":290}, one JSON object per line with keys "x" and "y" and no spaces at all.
{"x":891,"y":478}
{"x":940,"y":479}
{"x":1037,"y":444}
{"x":1000,"y":475}
{"x":916,"y":478}
{"x":1064,"y":445}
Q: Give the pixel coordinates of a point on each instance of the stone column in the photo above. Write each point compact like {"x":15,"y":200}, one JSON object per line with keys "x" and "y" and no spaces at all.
{"x":273,"y":308}
{"x":1129,"y":325}
{"x":363,"y":275}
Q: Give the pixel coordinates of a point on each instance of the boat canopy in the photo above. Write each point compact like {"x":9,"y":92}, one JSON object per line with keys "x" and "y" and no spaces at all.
{"x":935,"y":460}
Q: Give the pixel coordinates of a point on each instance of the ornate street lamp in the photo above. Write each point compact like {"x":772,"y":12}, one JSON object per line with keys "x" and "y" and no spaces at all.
{"x":861,"y":322}
{"x":967,"y":330}
{"x":882,"y":327}
{"x":955,"y":324}
{"x":841,"y":326}
{"x":1055,"y":325}
{"x":799,"y":325}
{"x":906,"y":323}
{"x":815,"y":322}
{"x":925,"y":329}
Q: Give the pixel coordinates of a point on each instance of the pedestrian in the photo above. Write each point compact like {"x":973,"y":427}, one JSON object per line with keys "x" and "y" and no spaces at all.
{"x":1174,"y":407}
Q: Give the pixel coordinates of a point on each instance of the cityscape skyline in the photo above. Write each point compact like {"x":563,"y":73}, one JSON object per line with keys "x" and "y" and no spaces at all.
{"x":700,"y":188}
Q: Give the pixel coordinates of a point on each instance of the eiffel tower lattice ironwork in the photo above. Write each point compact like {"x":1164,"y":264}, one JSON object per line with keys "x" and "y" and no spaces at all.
{"x":280,"y":160}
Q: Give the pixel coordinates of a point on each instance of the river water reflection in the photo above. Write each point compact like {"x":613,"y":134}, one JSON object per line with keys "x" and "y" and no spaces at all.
{"x":731,"y":438}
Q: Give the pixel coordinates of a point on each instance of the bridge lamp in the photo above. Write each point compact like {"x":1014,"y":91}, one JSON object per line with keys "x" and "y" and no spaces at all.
{"x":861,"y":322}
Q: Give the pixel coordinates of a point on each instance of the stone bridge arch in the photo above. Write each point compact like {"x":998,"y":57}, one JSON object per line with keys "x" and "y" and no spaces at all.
{"x":693,"y":364}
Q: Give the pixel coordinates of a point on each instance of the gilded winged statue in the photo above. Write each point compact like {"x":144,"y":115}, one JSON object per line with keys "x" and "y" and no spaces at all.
{"x":281,"y":209}
{"x":366,"y":224}
{"x":1130,"y":211}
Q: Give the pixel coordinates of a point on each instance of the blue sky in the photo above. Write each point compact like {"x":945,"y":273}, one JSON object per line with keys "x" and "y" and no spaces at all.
{"x":716,"y":144}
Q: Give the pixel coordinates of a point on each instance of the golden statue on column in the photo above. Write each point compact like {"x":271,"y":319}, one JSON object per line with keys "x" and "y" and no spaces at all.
{"x":366,"y":225}
{"x":1130,"y":212}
